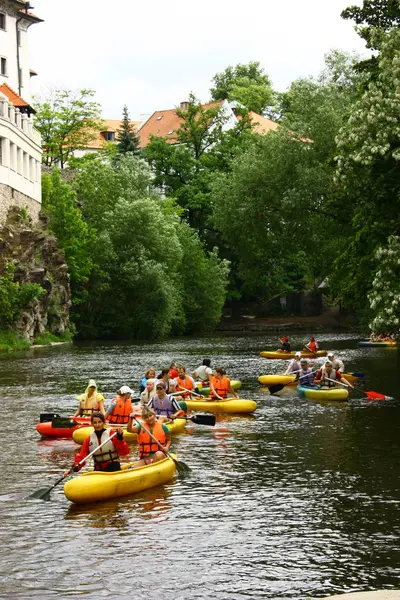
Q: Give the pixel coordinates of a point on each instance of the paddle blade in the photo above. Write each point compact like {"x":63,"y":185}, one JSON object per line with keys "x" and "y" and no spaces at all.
{"x":273,"y":389}
{"x":358,"y":374}
{"x":182,"y":468}
{"x":45,"y":417}
{"x":203,"y":419}
{"x":375,"y":396}
{"x":43,"y":494}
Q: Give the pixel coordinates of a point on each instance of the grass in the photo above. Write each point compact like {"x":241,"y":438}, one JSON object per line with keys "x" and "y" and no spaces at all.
{"x":46,"y":338}
{"x":10,"y":341}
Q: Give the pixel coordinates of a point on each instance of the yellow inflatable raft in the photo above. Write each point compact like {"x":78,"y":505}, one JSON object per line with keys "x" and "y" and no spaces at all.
{"x":287,"y":355}
{"x":205,"y":389}
{"x":97,"y":486}
{"x":317,"y":393}
{"x":176,"y":426}
{"x":232,"y":405}
{"x":290,"y":379}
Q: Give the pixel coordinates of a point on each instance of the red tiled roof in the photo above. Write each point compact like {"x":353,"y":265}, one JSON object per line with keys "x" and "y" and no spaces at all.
{"x":164,"y":123}
{"x":107,"y":125}
{"x":12,"y":96}
{"x":21,"y":6}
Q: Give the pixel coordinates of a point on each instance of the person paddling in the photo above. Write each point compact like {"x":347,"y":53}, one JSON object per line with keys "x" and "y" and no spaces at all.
{"x":285,"y":345}
{"x":165,"y":406}
{"x":327,"y":377}
{"x":107,"y":457}
{"x":204,"y":372}
{"x":312,"y":346}
{"x":184,"y":383}
{"x":220,"y":386}
{"x":294,"y":365}
{"x":90,"y":402}
{"x":149,"y":451}
{"x":166,"y":377}
{"x":306,"y":375}
{"x":121,"y":407}
{"x":337,"y":364}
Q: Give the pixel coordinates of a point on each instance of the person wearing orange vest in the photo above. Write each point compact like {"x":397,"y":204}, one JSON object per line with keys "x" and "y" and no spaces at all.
{"x":220,"y":386}
{"x":91,"y":401}
{"x":184,"y":382}
{"x":149,"y":451}
{"x":312,"y":346}
{"x":107,"y":457}
{"x":121,"y":406}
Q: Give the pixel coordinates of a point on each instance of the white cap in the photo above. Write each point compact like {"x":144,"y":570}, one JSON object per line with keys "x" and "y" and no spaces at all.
{"x":330,"y":353}
{"x":126,"y":390}
{"x":298,"y":353}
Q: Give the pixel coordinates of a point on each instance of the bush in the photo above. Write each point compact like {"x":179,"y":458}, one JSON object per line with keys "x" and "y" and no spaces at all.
{"x":10,"y":341}
{"x":14,"y":297}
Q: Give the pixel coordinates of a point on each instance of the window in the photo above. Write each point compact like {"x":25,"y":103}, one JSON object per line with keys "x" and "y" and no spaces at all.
{"x":109,"y":136}
{"x":3,"y":66}
{"x":2,"y":21}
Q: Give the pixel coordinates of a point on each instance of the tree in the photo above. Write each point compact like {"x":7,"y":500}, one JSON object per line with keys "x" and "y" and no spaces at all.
{"x":384,"y":297}
{"x":67,"y":121}
{"x":247,"y":84}
{"x":127,"y":139}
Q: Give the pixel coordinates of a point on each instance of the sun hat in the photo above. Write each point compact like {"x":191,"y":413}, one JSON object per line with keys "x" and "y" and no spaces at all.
{"x":298,"y":353}
{"x":126,"y":390}
{"x":330,"y":353}
{"x":92,"y":383}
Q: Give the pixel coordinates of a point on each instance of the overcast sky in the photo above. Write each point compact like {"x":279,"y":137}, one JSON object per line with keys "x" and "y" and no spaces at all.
{"x":151,"y":54}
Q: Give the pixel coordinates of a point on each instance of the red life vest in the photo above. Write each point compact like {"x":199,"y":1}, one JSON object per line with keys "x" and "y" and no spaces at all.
{"x":106,"y":454}
{"x":147,"y":445}
{"x":121,"y":411}
{"x":313,"y":346}
{"x":184,"y":383}
{"x":221,"y":386}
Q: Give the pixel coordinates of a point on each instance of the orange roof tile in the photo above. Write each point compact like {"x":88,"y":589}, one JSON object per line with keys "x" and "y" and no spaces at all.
{"x":107,"y":125}
{"x":164,"y":123}
{"x":262,"y":125}
{"x":12,"y":96}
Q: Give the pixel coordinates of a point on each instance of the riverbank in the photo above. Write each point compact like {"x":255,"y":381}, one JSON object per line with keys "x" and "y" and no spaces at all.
{"x":328,"y":321}
{"x":11,"y":342}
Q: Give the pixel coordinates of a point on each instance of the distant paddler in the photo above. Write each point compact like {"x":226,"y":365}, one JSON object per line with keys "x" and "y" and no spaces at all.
{"x":327,"y":377}
{"x":285,"y":345}
{"x":165,"y":405}
{"x":185,"y":384}
{"x":91,"y":401}
{"x":121,"y":407}
{"x":220,"y":386}
{"x":112,"y":444}
{"x":306,"y":375}
{"x":337,"y":364}
{"x":149,"y":451}
{"x":312,"y":346}
{"x":294,"y":365}
{"x":204,"y":372}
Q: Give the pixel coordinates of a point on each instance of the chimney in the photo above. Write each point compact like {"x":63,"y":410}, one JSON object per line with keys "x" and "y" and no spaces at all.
{"x":184,"y":105}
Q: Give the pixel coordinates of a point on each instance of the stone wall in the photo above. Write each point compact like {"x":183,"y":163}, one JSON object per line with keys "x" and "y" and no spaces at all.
{"x":10,"y":197}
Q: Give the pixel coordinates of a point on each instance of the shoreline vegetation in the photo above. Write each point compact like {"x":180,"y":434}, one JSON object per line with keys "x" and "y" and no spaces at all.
{"x":11,"y":342}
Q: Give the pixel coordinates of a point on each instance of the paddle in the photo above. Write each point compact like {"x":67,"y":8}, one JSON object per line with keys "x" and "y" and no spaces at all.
{"x":44,"y":493}
{"x":339,"y":382}
{"x":181,"y":467}
{"x":375,"y":396}
{"x":201,"y":419}
{"x":186,"y":390}
{"x":273,"y":389}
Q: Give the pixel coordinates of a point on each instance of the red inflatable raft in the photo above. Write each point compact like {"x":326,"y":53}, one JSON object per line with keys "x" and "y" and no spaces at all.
{"x":60,"y":426}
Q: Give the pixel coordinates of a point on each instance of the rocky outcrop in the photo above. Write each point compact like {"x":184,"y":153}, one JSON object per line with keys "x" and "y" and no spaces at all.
{"x":37,"y":259}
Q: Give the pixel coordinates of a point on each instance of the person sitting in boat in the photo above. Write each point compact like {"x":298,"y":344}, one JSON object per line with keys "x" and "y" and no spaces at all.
{"x":166,"y":377}
{"x":327,"y":377}
{"x":220,"y":386}
{"x":107,"y":457}
{"x":312,"y":346}
{"x":204,"y":372}
{"x":184,"y":383}
{"x":91,"y":401}
{"x":285,"y":345}
{"x":121,"y":407}
{"x":294,"y":365}
{"x":165,"y":405}
{"x":149,"y":451}
{"x":173,"y":370}
{"x":149,"y":374}
{"x":306,"y":375}
{"x":337,"y":364}
{"x":149,"y":391}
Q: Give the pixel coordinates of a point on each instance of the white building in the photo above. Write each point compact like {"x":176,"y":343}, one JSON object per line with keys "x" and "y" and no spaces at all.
{"x":20,"y":144}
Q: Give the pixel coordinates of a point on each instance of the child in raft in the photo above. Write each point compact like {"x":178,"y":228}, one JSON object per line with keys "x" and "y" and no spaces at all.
{"x":149,"y":450}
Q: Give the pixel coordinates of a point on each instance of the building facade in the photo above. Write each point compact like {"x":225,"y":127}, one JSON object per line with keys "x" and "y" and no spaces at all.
{"x":20,"y":144}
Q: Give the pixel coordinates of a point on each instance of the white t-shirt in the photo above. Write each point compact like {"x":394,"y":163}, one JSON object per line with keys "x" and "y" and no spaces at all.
{"x":203,"y":373}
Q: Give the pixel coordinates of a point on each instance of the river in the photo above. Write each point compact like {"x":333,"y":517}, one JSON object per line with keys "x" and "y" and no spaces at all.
{"x":300,"y":500}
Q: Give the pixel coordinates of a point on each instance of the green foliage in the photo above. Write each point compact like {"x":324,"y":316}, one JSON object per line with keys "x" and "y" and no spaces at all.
{"x":385,"y":295}
{"x":11,"y":341}
{"x":47,"y":338}
{"x":128,"y":141}
{"x":381,"y":14}
{"x":14,"y":297}
{"x":248,"y":84}
{"x":67,"y":121}
{"x":73,"y":234}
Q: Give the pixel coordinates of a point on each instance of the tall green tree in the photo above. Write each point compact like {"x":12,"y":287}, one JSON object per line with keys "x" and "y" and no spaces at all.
{"x":128,"y":140}
{"x":248,"y":84}
{"x":67,"y":121}
{"x":385,"y":299}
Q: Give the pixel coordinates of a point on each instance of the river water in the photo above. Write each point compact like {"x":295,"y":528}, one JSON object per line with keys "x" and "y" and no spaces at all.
{"x":300,"y":500}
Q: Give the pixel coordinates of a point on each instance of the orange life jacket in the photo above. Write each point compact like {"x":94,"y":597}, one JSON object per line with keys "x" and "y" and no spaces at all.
{"x":184,"y":383}
{"x":221,"y":386}
{"x":147,"y":445}
{"x":313,"y":346}
{"x":121,"y":411}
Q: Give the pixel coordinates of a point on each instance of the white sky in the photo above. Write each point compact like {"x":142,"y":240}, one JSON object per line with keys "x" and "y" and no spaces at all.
{"x":151,"y":54}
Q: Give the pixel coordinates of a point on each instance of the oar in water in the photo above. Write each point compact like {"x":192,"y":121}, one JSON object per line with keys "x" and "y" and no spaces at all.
{"x":376,"y":396}
{"x":181,"y":467}
{"x":201,"y":419}
{"x":273,"y":389}
{"x":44,"y":493}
